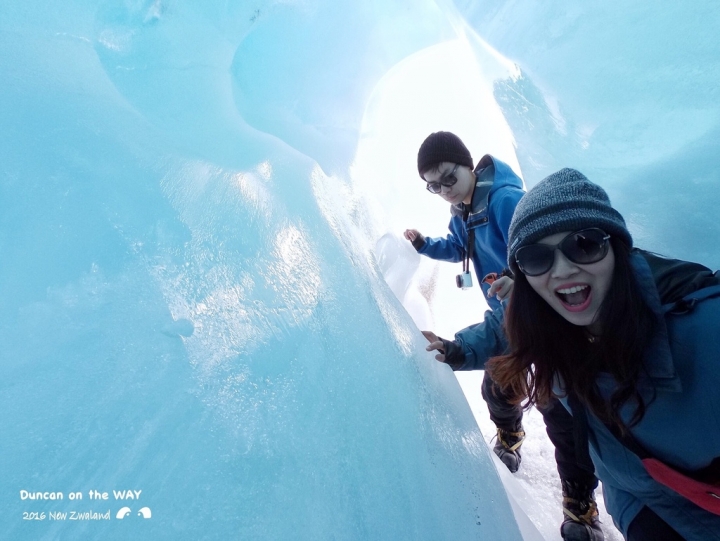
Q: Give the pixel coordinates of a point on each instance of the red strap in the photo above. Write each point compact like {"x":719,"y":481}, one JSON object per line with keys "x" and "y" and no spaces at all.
{"x":701,"y":494}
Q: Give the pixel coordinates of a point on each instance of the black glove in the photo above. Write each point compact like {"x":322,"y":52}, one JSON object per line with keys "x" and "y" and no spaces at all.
{"x":454,"y":355}
{"x":419,"y":241}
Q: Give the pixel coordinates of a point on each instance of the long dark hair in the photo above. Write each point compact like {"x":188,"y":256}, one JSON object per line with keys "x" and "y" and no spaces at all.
{"x":543,"y":346}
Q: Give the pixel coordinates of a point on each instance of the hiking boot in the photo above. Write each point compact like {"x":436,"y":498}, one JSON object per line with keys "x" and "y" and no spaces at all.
{"x":507,"y":447}
{"x":581,"y":522}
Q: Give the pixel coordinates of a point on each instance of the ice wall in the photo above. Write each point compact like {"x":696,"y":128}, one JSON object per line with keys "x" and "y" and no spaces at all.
{"x":188,"y":313}
{"x":190,"y":306}
{"x":627,"y":92}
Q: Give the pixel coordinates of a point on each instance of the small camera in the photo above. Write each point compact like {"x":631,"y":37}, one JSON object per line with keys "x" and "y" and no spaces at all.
{"x":464,"y":280}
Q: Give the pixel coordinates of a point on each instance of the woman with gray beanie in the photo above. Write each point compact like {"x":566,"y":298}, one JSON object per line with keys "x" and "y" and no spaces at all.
{"x":627,"y":340}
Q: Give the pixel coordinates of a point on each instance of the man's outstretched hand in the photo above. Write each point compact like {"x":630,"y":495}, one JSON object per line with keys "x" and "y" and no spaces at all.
{"x":414,"y":236}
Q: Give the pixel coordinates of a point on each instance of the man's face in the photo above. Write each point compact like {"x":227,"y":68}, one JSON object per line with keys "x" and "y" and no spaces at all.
{"x":462,"y":190}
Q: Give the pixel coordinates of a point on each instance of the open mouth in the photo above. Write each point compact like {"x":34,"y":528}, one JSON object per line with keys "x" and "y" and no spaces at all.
{"x":574,"y":298}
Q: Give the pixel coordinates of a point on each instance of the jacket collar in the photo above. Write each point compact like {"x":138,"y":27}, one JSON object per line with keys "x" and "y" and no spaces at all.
{"x":476,"y":212}
{"x":658,"y":356}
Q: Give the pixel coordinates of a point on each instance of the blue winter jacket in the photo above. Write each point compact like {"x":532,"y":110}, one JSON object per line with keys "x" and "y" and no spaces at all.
{"x":490,"y":215}
{"x":681,"y":426}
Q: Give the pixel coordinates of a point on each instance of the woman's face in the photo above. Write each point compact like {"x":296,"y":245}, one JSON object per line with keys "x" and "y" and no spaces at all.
{"x":573,"y":290}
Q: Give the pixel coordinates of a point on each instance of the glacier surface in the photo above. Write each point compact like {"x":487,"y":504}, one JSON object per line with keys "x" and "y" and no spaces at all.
{"x":199,"y":280}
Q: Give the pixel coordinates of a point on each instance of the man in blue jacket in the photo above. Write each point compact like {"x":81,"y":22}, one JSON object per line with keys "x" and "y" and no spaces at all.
{"x":482,"y":202}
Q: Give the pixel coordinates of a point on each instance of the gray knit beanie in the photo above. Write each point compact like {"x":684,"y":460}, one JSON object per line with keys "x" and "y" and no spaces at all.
{"x":442,"y":146}
{"x":563,"y":201}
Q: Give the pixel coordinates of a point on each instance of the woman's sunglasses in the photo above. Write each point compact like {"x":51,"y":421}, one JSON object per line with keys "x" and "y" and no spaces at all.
{"x":446,"y":180}
{"x":581,"y":247}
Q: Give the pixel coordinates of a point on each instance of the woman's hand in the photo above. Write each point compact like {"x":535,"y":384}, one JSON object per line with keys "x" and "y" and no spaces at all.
{"x":436,"y":344}
{"x":501,"y":288}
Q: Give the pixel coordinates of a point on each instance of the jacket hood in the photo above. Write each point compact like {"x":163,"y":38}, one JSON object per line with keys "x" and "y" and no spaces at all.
{"x":504,"y":175}
{"x":491,"y":174}
{"x":676,"y":279}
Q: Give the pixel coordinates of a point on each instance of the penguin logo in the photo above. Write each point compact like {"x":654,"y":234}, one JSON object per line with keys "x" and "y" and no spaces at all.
{"x":122,"y":513}
{"x":145,"y":512}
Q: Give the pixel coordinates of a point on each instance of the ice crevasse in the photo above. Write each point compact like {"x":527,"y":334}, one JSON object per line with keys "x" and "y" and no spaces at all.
{"x":193,"y":321}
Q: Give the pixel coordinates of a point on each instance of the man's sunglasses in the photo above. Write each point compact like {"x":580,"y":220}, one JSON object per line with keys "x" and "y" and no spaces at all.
{"x":581,"y":247}
{"x":446,"y":180}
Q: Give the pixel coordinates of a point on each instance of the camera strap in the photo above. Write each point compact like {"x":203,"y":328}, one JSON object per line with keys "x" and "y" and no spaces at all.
{"x":468,"y":252}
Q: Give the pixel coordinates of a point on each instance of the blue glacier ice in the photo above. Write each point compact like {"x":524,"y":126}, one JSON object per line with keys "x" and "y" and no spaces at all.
{"x":182,"y":312}
{"x":628,"y":94}
{"x":202,"y":297}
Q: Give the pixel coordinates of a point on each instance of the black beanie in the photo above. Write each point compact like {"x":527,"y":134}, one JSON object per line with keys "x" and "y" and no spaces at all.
{"x":442,"y":146}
